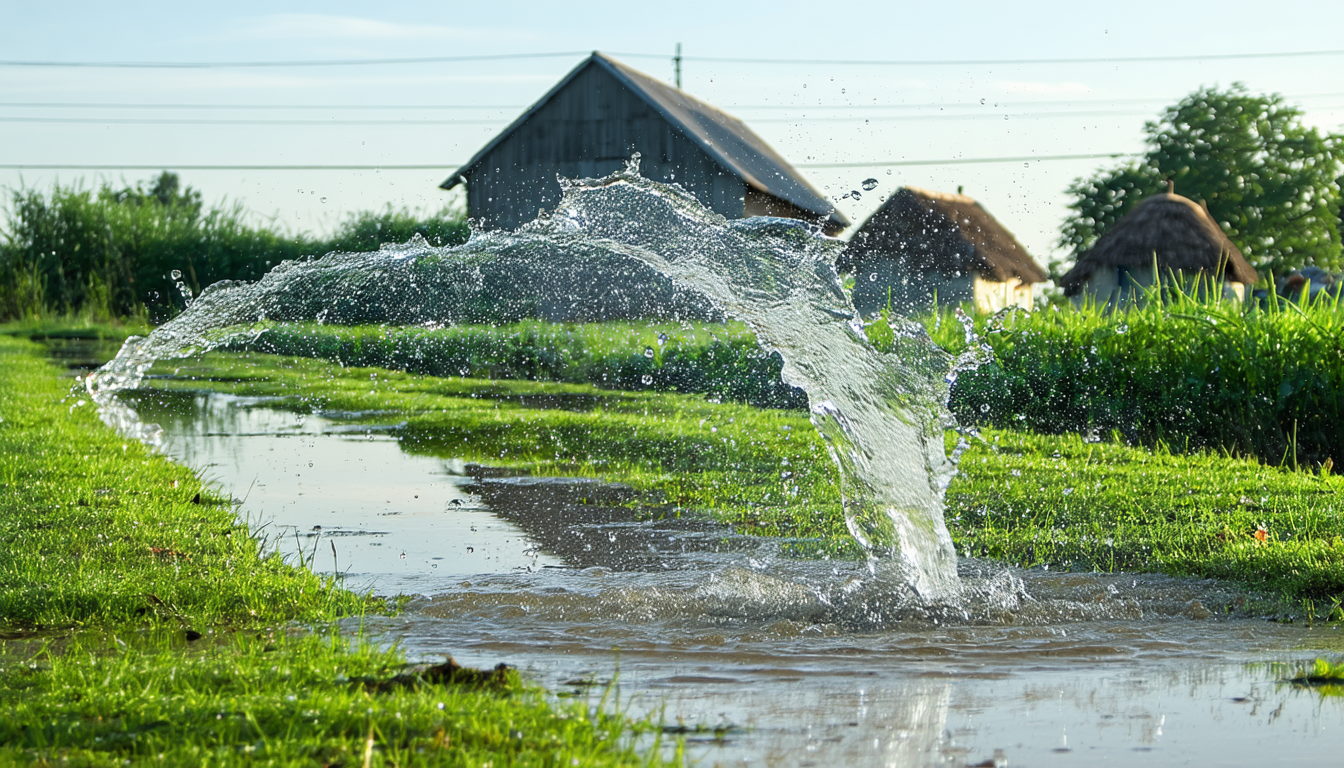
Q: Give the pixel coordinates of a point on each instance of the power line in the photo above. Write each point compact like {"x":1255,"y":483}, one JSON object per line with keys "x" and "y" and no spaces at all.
{"x":803,"y":119}
{"x":450,"y":168}
{"x":293,"y":63}
{"x":968,"y":160}
{"x":1009,"y":62}
{"x":114,"y":105}
{"x":241,"y":121}
{"x":710,"y":59}
{"x":177,"y":167}
{"x":798,"y":107}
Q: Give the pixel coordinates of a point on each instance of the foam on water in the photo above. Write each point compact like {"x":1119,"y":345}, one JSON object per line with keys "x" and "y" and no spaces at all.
{"x":622,"y":245}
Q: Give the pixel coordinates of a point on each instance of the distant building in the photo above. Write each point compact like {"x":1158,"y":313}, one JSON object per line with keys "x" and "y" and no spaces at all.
{"x":1168,"y":233}
{"x":921,"y":244}
{"x":600,"y":114}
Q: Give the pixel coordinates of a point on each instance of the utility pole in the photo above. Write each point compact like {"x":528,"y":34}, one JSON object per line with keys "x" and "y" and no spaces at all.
{"x":676,"y":65}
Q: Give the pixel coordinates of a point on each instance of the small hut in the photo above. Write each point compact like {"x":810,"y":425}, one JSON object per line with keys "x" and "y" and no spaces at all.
{"x":600,"y":114}
{"x":923,"y":245}
{"x":1166,"y":236}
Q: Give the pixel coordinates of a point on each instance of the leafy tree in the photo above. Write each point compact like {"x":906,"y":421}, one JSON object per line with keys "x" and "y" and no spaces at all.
{"x":1271,"y":183}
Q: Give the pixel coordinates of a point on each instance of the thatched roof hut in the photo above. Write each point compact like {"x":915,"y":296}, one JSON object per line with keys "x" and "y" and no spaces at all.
{"x":921,"y":242}
{"x":1175,"y":231}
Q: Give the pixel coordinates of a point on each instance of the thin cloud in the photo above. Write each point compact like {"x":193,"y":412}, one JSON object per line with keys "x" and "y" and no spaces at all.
{"x":291,"y":26}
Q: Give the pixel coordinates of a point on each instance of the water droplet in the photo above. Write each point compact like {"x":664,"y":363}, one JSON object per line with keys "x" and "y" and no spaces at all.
{"x":984,"y":407}
{"x":403,"y":555}
{"x":648,"y":351}
{"x":177,"y":274}
{"x":872,"y":277}
{"x":646,"y":379}
{"x":869,"y":185}
{"x":662,"y":339}
{"x":888,"y":171}
{"x":856,"y":194}
{"x":469,"y":550}
{"x":324,"y":199}
{"x":982,"y":102}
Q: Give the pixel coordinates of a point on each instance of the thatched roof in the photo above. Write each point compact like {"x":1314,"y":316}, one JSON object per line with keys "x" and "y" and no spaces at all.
{"x":1178,"y":230}
{"x":937,"y":231}
{"x":726,"y":139}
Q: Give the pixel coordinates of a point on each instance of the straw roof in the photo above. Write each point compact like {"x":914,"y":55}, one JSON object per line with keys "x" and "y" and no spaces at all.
{"x":1181,"y":233}
{"x":937,"y":231}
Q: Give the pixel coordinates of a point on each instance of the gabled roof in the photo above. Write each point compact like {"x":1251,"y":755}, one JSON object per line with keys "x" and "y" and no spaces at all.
{"x":1176,"y":231}
{"x":723,"y":137}
{"x":944,"y":232}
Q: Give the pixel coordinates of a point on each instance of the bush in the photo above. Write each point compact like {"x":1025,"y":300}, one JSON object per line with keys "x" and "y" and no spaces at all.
{"x":113,"y":253}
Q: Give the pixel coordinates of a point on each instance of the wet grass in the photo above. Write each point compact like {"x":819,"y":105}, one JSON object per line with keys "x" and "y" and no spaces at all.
{"x":722,"y":360}
{"x":1062,"y":502}
{"x":142,"y":623}
{"x":763,"y":470}
{"x":1025,"y":499}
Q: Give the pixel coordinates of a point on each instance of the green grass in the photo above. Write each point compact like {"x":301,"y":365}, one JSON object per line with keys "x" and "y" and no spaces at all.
{"x":1059,"y":501}
{"x":1025,"y":499}
{"x":1265,"y":382}
{"x":763,"y":470}
{"x":142,"y":623}
{"x":282,"y":698}
{"x":723,"y":360}
{"x":97,"y":529}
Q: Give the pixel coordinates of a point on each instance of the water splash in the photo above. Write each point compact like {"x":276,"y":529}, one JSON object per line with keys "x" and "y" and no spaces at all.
{"x":624,"y":246}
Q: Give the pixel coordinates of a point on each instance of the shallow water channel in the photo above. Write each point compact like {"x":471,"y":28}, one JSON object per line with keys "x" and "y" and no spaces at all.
{"x":766,"y":660}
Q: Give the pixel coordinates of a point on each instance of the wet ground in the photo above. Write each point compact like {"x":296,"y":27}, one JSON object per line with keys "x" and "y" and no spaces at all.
{"x":763,"y":659}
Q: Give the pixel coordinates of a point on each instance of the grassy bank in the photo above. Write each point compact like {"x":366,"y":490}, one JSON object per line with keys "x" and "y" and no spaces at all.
{"x":141,"y":623}
{"x":1030,"y":500}
{"x":764,"y":470}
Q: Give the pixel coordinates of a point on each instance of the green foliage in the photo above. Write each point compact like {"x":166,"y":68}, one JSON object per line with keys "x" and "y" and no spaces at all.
{"x":1266,"y":382}
{"x":367,"y":230}
{"x":112,"y":252}
{"x":724,"y":361}
{"x":1270,"y":182}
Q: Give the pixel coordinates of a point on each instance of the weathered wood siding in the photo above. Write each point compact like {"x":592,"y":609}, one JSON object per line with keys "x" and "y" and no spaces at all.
{"x":590,"y":128}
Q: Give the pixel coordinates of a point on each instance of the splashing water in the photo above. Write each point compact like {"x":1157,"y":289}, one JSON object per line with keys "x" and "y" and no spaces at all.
{"x":624,"y":246}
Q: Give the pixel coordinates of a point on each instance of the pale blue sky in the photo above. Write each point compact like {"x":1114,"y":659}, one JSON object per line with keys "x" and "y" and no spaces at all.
{"x":932,"y":112}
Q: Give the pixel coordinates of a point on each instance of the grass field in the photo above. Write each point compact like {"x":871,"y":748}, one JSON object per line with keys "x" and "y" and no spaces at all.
{"x":1025,"y":499}
{"x":139,"y":622}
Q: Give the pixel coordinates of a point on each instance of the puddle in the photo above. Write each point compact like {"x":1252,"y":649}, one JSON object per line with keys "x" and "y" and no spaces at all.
{"x":753,"y":657}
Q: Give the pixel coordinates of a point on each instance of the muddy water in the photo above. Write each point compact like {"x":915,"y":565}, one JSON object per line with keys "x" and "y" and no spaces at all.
{"x":762,"y":659}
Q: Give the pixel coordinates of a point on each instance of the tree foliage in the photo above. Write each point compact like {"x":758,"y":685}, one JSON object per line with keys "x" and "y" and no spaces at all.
{"x":1270,"y":182}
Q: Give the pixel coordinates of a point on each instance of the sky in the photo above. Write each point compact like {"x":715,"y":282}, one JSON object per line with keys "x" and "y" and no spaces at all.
{"x":874,"y":86}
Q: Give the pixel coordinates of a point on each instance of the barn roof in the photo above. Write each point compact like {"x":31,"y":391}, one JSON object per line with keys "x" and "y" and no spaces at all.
{"x":723,"y":137}
{"x":1175,"y":230}
{"x":945,"y":232}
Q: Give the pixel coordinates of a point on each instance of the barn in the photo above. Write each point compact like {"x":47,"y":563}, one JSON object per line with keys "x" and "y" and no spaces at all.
{"x":603,"y":112}
{"x":922,"y":246}
{"x":1165,"y":236}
